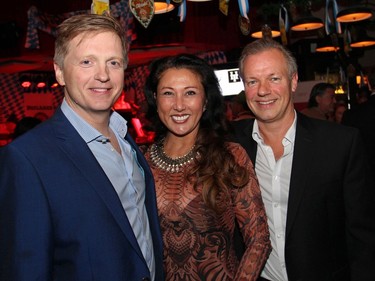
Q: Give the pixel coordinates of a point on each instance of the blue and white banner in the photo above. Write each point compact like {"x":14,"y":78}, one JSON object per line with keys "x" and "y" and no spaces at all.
{"x":328,"y":22}
{"x":244,"y":8}
{"x":182,"y":11}
{"x":283,"y":24}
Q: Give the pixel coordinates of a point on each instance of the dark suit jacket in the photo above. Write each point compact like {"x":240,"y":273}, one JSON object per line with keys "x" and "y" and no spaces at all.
{"x":60,"y":217}
{"x":330,"y":228}
{"x":363,"y":118}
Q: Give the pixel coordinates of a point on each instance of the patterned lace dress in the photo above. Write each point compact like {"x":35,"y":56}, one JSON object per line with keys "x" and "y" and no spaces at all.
{"x":198,"y":243}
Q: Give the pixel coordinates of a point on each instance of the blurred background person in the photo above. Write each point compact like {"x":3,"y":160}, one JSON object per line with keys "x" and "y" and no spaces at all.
{"x":363,"y":118}
{"x":321,"y":102}
{"x":240,"y":109}
{"x":24,"y":125}
{"x":363,"y":94}
{"x":340,"y":108}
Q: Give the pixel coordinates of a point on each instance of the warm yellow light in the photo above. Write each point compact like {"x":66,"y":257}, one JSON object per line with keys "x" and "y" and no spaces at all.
{"x":354,"y":17}
{"x":258,"y":34}
{"x":358,"y":79}
{"x":354,"y":14}
{"x":162,"y":7}
{"x":360,"y":44}
{"x":327,"y":49}
{"x":339,"y":90}
{"x":307,"y":26}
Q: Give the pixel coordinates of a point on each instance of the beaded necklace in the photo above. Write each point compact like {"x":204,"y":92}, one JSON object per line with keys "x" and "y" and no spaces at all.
{"x":160,"y":159}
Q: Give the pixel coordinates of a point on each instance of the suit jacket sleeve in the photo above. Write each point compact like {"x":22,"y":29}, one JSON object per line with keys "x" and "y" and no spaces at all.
{"x":360,"y":214}
{"x":26,"y":210}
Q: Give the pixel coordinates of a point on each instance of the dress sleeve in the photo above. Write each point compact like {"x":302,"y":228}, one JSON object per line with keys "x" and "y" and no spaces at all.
{"x":252,"y":220}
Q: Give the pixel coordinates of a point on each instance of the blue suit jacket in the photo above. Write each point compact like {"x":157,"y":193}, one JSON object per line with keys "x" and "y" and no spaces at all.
{"x":60,"y":217}
{"x":330,"y":226}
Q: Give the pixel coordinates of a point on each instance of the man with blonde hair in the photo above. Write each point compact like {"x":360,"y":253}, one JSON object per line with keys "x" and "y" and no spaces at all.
{"x":77,"y":198}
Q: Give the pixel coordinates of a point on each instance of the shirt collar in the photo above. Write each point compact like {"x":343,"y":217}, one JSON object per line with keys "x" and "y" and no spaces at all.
{"x":117,"y":123}
{"x":289,"y":136}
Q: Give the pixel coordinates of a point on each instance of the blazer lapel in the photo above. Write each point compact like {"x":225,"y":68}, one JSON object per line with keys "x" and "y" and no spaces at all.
{"x":244,"y":130}
{"x":86,"y":163}
{"x":301,"y":155}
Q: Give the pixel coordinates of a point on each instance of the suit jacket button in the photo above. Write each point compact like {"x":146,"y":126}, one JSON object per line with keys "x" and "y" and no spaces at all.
{"x":145,"y":279}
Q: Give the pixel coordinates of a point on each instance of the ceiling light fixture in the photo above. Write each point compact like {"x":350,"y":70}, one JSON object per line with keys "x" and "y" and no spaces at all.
{"x":162,"y":7}
{"x":363,"y":41}
{"x":259,"y":34}
{"x":266,"y":28}
{"x":307,"y":23}
{"x":354,"y":14}
{"x":326,"y":45}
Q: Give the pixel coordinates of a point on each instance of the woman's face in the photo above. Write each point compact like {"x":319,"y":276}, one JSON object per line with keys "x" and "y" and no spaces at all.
{"x":180,"y":101}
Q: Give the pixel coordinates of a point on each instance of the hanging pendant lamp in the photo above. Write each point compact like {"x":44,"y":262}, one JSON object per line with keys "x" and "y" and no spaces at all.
{"x":354,"y":14}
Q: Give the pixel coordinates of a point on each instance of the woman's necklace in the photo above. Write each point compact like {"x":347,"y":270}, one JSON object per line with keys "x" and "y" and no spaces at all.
{"x":166,"y":163}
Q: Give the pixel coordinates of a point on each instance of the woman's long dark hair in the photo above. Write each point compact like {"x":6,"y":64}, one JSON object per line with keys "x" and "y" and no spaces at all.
{"x":216,"y":169}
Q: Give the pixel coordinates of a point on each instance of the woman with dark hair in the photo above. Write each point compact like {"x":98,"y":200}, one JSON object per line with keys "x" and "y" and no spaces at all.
{"x":205,"y":185}
{"x":321,"y":102}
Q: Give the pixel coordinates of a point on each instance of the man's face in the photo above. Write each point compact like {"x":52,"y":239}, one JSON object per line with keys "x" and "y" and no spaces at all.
{"x":326,"y":101}
{"x":93,"y":73}
{"x":268,"y":87}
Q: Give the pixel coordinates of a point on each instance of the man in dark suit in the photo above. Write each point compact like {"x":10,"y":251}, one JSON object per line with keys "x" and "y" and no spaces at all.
{"x":77,"y":198}
{"x":363,"y":118}
{"x":312,"y":174}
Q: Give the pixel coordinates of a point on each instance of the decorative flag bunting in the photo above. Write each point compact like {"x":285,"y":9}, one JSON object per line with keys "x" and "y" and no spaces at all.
{"x":328,"y":22}
{"x":100,"y":7}
{"x":283,"y":24}
{"x":38,"y":20}
{"x":347,"y":40}
{"x":143,"y":10}
{"x":244,"y":25}
{"x":182,"y":11}
{"x":223,"y":6}
{"x":244,"y":8}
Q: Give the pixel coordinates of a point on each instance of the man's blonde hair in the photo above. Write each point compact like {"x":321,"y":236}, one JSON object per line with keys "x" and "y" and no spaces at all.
{"x":86,"y":24}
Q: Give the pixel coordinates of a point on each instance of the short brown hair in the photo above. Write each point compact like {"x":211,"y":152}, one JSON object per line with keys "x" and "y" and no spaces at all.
{"x":86,"y":23}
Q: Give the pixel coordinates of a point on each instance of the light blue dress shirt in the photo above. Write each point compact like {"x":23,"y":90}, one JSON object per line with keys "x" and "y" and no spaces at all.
{"x":123,"y":171}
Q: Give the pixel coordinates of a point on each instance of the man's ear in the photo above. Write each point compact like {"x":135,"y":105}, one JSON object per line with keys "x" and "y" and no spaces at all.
{"x":59,"y":74}
{"x":294,"y":82}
